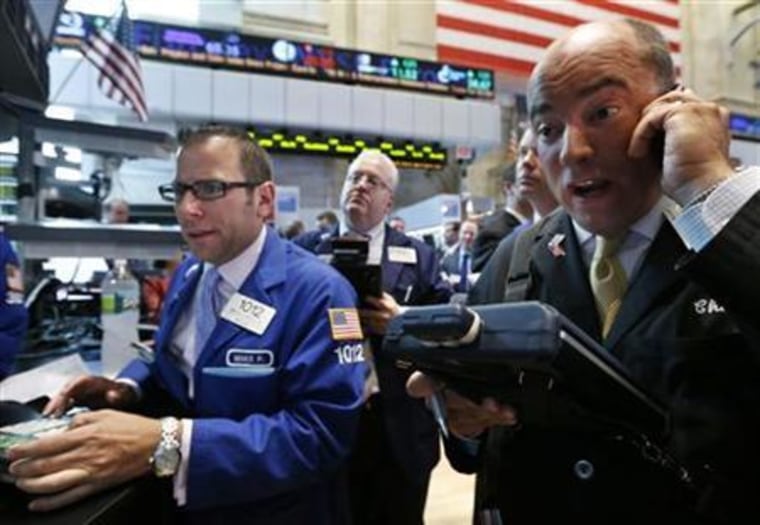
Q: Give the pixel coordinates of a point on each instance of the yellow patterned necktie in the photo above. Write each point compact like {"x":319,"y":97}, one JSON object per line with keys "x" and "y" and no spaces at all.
{"x":608,"y":280}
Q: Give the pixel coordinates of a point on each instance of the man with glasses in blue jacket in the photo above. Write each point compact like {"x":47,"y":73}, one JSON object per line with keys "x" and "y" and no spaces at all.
{"x":258,"y":355}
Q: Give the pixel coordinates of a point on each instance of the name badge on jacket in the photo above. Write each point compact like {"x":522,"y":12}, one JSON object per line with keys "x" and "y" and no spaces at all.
{"x":248,"y":313}
{"x":401,"y":254}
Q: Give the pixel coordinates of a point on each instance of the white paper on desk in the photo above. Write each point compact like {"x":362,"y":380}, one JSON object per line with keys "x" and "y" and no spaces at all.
{"x":45,"y":380}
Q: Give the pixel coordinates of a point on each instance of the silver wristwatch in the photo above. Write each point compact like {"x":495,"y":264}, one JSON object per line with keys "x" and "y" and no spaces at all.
{"x":166,"y":457}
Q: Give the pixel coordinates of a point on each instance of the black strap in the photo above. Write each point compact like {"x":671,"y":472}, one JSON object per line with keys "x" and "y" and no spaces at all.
{"x":518,"y":279}
{"x":516,"y":287}
{"x":518,"y":276}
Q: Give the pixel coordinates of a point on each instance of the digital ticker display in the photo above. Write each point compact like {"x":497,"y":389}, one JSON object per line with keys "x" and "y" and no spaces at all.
{"x":744,"y":126}
{"x":243,"y":52}
{"x":405,"y":154}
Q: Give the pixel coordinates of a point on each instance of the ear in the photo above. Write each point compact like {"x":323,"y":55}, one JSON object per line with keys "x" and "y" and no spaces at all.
{"x":389,"y":207}
{"x":265,"y":200}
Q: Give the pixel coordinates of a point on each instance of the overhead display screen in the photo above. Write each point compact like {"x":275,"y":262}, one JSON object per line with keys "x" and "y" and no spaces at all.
{"x":242,"y":52}
{"x":744,"y":126}
{"x":405,"y":154}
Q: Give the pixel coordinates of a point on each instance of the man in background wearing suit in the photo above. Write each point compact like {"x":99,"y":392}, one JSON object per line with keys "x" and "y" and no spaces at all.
{"x":532,"y":185}
{"x":531,"y":179}
{"x":458,"y":262}
{"x":497,"y":225}
{"x":397,"y":446}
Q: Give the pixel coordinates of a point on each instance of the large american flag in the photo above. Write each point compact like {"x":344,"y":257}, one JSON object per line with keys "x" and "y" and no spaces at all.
{"x":511,"y":35}
{"x":111,"y":50}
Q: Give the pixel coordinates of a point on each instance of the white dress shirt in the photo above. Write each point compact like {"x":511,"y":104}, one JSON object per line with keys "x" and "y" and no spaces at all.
{"x":233,"y":275}
{"x":699,"y":224}
{"x":376,"y":236}
{"x":637,"y":241}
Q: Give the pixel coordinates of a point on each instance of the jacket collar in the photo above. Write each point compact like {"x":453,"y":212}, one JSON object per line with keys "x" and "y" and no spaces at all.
{"x":565,"y":272}
{"x":569,"y":289}
{"x":268,"y":274}
{"x":651,"y":284}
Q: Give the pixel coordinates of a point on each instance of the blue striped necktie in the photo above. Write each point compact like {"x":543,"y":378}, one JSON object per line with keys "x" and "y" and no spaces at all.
{"x":207,"y":307}
{"x":464,"y":273}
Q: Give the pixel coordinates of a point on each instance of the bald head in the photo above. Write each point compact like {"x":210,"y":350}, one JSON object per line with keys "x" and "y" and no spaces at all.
{"x":639,"y":44}
{"x":586,"y":96}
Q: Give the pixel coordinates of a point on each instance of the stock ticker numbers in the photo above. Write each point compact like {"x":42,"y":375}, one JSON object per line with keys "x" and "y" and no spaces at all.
{"x":230,"y":50}
{"x":404,"y":154}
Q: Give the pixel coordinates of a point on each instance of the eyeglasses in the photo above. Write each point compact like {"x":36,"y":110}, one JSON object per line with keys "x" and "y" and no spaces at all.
{"x":372,"y":180}
{"x":203,"y":190}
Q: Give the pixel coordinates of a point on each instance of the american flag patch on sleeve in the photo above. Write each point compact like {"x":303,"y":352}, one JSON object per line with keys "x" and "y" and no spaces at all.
{"x":344,"y":324}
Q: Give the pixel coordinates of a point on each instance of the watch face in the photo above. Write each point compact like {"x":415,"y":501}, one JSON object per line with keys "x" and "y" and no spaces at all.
{"x":166,"y":461}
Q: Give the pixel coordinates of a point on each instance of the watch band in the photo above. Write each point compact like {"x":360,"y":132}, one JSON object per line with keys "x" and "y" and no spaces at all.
{"x":170,"y":432}
{"x":166,"y":458}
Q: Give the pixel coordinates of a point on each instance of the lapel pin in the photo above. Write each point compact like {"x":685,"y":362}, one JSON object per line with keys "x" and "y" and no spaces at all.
{"x":555,"y":245}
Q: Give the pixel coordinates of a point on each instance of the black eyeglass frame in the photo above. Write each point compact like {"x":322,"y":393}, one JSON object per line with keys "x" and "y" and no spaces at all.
{"x":174,"y":191}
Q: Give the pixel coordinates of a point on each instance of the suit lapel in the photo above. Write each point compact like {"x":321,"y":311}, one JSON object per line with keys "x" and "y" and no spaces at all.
{"x":268,"y":273}
{"x":511,"y":220}
{"x":175,"y":379}
{"x":565,"y":283}
{"x":450,"y":262}
{"x":655,"y":277}
{"x":180,"y":300}
{"x":324,"y":246}
{"x":392,"y":270}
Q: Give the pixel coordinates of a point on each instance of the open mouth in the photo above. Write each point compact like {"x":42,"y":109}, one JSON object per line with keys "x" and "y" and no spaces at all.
{"x":589,"y":188}
{"x":196,"y":235}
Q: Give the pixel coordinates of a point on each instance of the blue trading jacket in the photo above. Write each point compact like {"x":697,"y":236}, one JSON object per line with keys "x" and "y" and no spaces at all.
{"x":13,"y":314}
{"x":267,"y":446}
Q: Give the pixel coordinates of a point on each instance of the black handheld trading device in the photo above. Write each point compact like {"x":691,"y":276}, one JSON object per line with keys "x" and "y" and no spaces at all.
{"x":349,"y":257}
{"x":528,"y":355}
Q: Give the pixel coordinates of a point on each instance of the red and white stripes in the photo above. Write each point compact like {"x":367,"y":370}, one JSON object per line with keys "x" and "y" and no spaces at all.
{"x":511,"y":35}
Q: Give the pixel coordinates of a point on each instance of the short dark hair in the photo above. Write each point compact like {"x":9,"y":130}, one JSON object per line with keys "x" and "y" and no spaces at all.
{"x":295,"y":229}
{"x":329,"y":216}
{"x":655,"y":52}
{"x":509,"y":173}
{"x":455,"y":225}
{"x":255,"y":162}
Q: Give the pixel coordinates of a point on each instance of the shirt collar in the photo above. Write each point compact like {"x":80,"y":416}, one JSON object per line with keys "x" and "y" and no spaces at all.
{"x":647,"y":226}
{"x":235,"y":271}
{"x":373,"y":233}
{"x":376,"y":236}
{"x":520,"y":217}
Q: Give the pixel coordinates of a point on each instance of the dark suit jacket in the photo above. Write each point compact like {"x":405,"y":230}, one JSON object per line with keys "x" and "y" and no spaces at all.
{"x":689,"y":337}
{"x":450,"y":261}
{"x":411,"y":429}
{"x":494,"y":228}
